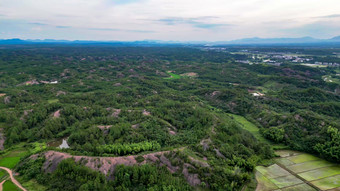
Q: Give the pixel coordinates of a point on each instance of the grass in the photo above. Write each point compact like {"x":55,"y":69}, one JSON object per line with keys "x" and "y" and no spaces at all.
{"x":52,"y":101}
{"x":315,"y":65}
{"x":264,"y":183}
{"x":304,"y":187}
{"x":329,"y":78}
{"x":31,"y":185}
{"x":9,"y":162}
{"x":3,"y":175}
{"x":320,"y":173}
{"x":173,"y":76}
{"x":9,"y":186}
{"x":11,"y":158}
{"x":302,"y":158}
{"x":253,"y":129}
{"x":38,"y":147}
{"x":272,"y":171}
{"x":287,"y":153}
{"x":298,"y":168}
{"x":284,"y":161}
{"x":327,"y":183}
{"x":285,"y":181}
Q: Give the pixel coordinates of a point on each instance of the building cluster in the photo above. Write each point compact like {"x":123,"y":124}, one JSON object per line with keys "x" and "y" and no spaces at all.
{"x":328,"y":64}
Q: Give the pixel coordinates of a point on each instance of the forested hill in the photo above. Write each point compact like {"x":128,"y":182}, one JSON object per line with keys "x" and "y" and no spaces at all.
{"x":159,"y":118}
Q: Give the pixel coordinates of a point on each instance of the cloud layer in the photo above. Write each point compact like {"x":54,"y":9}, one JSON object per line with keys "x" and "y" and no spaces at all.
{"x":184,"y":20}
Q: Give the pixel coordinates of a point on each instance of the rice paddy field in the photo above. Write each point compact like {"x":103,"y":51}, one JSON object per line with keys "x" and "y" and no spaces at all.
{"x":295,"y":171}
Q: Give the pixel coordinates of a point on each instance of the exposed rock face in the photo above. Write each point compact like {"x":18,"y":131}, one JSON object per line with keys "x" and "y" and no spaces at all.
{"x":7,"y":99}
{"x":192,"y":179}
{"x":2,"y":139}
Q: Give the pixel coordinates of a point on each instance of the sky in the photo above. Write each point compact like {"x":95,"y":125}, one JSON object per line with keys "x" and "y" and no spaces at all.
{"x":176,"y":20}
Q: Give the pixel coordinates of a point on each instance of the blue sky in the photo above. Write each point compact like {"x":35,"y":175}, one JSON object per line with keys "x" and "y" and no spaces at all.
{"x":183,"y":20}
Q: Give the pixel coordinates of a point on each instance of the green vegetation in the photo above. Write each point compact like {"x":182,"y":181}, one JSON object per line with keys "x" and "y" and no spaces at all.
{"x":245,"y":124}
{"x":134,"y":148}
{"x":328,"y":183}
{"x":31,"y":185}
{"x":306,"y":166}
{"x":9,"y":186}
{"x":173,"y":76}
{"x":302,"y":158}
{"x":320,"y":173}
{"x":285,"y":181}
{"x":52,"y":101}
{"x":209,"y":128}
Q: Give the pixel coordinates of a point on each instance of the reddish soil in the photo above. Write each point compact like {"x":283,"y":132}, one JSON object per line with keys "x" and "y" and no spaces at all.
{"x":104,"y":127}
{"x":56,"y":114}
{"x":146,"y":113}
{"x":107,"y":165}
{"x":190,"y":74}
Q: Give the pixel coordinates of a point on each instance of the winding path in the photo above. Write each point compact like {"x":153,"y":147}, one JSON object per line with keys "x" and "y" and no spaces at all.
{"x":12,"y":178}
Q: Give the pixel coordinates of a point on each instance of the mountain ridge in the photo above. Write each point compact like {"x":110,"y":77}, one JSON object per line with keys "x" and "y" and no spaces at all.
{"x":243,"y":41}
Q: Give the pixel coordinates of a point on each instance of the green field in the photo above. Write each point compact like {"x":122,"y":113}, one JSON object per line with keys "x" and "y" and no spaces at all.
{"x":264,"y":183}
{"x":302,"y":187}
{"x":272,"y":171}
{"x":11,"y":158}
{"x":303,"y":158}
{"x":250,"y":127}
{"x":285,"y":181}
{"x":9,"y":186}
{"x":315,"y":65}
{"x":301,"y":167}
{"x":329,"y":78}
{"x":31,"y":185}
{"x":255,"y":131}
{"x":173,"y":76}
{"x":328,"y":183}
{"x":306,"y":166}
{"x":321,"y":173}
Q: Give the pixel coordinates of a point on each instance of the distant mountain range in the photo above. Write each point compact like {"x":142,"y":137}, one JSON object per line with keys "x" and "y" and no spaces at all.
{"x":245,"y":41}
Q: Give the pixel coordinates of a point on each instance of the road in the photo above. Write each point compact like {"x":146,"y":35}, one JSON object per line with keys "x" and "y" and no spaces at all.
{"x":9,"y":171}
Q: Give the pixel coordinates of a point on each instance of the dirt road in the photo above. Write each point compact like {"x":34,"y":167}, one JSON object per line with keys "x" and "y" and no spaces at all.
{"x":9,"y":171}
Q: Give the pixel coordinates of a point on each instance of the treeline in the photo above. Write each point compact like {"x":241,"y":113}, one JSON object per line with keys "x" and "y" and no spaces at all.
{"x":73,"y":176}
{"x":133,"y":148}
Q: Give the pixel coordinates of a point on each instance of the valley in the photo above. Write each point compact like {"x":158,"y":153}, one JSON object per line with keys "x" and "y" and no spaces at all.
{"x":106,"y":117}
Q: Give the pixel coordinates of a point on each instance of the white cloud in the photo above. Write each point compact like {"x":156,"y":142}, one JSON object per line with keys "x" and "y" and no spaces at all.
{"x":169,"y":19}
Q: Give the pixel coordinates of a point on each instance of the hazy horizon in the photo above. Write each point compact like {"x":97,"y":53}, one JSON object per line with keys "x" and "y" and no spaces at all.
{"x":185,"y":20}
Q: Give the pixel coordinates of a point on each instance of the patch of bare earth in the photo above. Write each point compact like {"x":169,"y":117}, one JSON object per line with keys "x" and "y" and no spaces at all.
{"x":104,"y":127}
{"x":190,"y":74}
{"x":61,"y":93}
{"x":107,"y":165}
{"x":56,"y":114}
{"x":2,"y":139}
{"x":146,"y":113}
